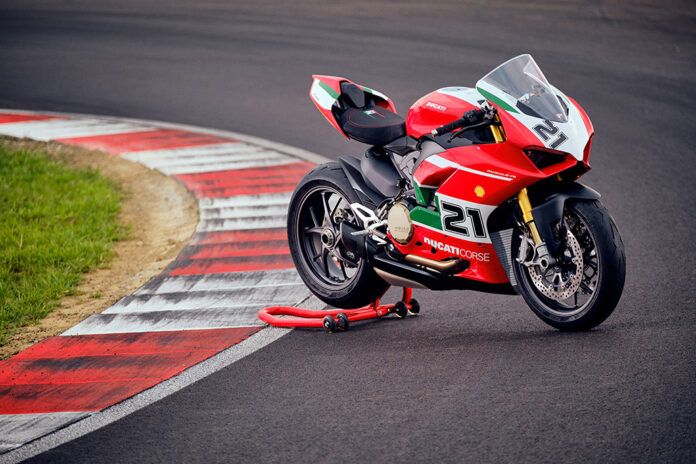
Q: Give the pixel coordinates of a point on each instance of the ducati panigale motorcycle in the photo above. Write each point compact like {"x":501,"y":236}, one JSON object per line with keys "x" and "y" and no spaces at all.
{"x":477,"y":189}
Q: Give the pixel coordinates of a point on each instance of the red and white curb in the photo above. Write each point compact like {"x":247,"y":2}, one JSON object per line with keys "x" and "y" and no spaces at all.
{"x":205,"y":301}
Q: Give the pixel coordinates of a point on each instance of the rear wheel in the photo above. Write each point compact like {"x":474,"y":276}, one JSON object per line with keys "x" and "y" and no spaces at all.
{"x":583,"y":287}
{"x":335,"y":275}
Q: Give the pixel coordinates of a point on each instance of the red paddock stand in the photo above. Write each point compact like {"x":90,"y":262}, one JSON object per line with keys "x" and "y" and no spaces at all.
{"x":337,"y":319}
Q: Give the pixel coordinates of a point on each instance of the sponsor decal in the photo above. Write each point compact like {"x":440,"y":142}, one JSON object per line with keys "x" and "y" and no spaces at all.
{"x":436,"y":106}
{"x":461,"y":252}
{"x":372,"y":113}
{"x":479,"y":191}
{"x":504,"y":174}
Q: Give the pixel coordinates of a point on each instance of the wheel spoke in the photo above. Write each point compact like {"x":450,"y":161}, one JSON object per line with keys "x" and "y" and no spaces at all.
{"x":314,"y":230}
{"x":327,"y":208}
{"x":325,"y":261}
{"x":333,"y":211}
{"x":343,"y":270}
{"x":589,"y":290}
{"x":314,"y":217}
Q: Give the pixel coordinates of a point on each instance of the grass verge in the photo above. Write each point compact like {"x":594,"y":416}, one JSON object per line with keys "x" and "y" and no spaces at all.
{"x":56,"y":223}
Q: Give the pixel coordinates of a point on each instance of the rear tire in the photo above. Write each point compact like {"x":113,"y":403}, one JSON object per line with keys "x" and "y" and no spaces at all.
{"x":315,"y":243}
{"x":602,"y":248}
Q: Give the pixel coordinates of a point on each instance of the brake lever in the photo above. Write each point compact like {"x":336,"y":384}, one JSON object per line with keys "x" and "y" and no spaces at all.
{"x":483,"y":123}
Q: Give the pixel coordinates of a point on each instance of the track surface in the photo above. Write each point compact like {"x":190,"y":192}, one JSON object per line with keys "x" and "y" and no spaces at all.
{"x":477,"y":378}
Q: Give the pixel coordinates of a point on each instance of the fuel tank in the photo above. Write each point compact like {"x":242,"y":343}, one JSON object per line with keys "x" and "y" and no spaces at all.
{"x":439,"y":108}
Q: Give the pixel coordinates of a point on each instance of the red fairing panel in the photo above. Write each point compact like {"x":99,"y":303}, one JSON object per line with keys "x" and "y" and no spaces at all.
{"x":434,"y":110}
{"x":484,"y":263}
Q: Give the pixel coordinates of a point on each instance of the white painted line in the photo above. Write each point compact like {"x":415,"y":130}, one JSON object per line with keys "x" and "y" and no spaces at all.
{"x":227,"y":281}
{"x":17,"y":429}
{"x":159,"y":321}
{"x":144,"y":156}
{"x":207,"y":299}
{"x":62,"y":128}
{"x":241,"y":212}
{"x":246,"y":200}
{"x":264,"y":159}
{"x":241,"y":155}
{"x":218,"y":225}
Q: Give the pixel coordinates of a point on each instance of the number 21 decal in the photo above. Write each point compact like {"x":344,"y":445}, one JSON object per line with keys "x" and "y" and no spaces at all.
{"x":458,"y":217}
{"x":548,"y":129}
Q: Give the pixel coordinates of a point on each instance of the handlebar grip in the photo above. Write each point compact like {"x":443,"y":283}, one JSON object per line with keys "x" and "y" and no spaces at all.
{"x":467,"y":118}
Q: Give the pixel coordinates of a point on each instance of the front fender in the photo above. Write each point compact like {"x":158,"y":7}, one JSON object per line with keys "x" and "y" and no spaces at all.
{"x":549,"y":209}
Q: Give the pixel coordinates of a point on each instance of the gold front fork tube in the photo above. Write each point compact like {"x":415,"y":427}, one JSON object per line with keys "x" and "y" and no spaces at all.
{"x":526,"y":208}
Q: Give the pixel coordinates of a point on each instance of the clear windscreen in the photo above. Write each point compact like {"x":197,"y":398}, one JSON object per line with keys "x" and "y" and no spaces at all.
{"x":522,"y":79}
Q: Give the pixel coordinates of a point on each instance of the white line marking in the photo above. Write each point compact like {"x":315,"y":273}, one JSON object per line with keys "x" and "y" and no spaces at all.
{"x":208,"y":299}
{"x":219,"y":225}
{"x":188,"y":152}
{"x":236,"y":156}
{"x":16,"y":429}
{"x":264,"y":159}
{"x":242,"y":212}
{"x":62,"y":128}
{"x":241,"y":155}
{"x":159,"y":321}
{"x":226,"y":281}
{"x":246,"y":200}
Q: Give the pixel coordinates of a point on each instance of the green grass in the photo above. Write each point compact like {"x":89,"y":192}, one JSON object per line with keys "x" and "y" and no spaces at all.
{"x":56,"y":223}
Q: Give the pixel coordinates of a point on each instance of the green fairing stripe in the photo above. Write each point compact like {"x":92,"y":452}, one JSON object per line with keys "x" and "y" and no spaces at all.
{"x":367,"y":90}
{"x":328,"y":89}
{"x":426,"y":217}
{"x":496,"y":100}
{"x":420,"y":197}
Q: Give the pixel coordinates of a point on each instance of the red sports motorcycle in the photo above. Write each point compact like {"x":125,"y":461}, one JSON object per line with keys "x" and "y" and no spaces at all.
{"x":476,"y":190}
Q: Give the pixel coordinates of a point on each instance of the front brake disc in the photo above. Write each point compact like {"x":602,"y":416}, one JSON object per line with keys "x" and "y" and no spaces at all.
{"x":556,"y":283}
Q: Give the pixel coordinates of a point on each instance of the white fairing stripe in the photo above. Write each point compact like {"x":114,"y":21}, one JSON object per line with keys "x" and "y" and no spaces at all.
{"x":441,"y":162}
{"x":321,"y":96}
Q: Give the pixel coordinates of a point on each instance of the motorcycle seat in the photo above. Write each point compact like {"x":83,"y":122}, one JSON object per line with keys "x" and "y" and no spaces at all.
{"x":360,"y":118}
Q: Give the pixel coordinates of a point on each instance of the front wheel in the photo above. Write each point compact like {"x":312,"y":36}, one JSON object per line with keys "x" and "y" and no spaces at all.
{"x":582,"y":288}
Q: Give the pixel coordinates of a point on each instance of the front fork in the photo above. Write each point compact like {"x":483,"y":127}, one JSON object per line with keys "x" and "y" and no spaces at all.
{"x":541,"y":256}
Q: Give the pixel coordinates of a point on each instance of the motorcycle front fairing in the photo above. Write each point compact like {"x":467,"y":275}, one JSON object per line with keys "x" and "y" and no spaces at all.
{"x":463,"y":183}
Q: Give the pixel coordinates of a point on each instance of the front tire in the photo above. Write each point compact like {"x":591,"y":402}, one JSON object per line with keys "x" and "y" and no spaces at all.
{"x":603,"y":271}
{"x":320,"y":201}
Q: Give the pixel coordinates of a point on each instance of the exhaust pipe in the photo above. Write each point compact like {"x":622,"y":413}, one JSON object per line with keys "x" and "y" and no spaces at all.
{"x":448,"y":266}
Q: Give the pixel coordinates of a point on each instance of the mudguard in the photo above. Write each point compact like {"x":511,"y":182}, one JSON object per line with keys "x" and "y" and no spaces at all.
{"x":550,"y":210}
{"x":351,"y":168}
{"x":550,"y":201}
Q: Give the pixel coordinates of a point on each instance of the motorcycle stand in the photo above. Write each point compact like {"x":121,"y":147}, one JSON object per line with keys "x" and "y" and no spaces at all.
{"x":338,"y":319}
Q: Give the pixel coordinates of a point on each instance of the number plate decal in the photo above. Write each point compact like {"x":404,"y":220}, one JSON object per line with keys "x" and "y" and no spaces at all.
{"x":464,"y":220}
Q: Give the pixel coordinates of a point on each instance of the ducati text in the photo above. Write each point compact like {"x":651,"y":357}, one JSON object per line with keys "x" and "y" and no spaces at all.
{"x":461,"y":252}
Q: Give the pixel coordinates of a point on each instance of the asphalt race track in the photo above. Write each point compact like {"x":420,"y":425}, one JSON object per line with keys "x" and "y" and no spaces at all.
{"x":476,"y":378}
